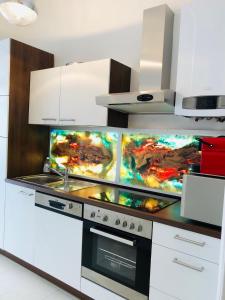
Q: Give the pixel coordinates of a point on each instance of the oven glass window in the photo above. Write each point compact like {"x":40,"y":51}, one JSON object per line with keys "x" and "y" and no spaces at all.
{"x":115,"y":259}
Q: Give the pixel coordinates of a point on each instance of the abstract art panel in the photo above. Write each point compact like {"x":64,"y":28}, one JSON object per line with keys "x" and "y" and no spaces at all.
{"x":157,"y":161}
{"x":85,"y":153}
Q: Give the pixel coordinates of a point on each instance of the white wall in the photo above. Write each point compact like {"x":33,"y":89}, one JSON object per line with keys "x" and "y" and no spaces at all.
{"x":81,"y":30}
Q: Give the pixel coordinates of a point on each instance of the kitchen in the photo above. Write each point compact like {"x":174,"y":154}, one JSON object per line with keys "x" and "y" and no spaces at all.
{"x":123,"y":159}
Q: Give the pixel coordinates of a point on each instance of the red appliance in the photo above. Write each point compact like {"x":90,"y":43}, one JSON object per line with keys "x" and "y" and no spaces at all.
{"x":213,"y":156}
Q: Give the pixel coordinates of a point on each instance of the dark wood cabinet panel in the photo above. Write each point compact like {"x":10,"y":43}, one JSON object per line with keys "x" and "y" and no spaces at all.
{"x":27,"y":144}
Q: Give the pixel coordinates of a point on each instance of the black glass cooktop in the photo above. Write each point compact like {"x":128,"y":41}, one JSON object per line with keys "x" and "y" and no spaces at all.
{"x":144,"y":202}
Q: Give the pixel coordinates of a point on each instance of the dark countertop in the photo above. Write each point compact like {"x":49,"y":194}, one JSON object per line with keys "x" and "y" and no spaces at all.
{"x":169,"y":215}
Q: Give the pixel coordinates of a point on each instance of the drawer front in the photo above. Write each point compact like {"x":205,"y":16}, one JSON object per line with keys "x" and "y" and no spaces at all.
{"x":187,"y":242}
{"x":183,"y":276}
{"x":157,"y":295}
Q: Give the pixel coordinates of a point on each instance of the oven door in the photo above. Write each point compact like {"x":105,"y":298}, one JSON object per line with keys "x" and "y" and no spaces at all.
{"x":118,"y":261}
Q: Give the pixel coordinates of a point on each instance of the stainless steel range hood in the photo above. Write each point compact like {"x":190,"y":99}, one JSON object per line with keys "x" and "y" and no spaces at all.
{"x":154,"y":94}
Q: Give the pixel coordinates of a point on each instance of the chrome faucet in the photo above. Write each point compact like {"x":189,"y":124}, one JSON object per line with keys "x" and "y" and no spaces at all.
{"x":65,"y":174}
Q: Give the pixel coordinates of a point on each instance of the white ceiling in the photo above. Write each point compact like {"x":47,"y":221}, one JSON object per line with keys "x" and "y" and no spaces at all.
{"x":64,"y":27}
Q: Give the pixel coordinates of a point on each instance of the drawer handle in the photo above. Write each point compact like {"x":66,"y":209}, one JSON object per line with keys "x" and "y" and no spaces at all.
{"x":26,"y":194}
{"x":183,"y":239}
{"x":181,"y":263}
{"x":67,"y":120}
{"x":49,"y":119}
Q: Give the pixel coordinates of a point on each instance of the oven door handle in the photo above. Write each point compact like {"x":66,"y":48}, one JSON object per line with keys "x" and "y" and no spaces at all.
{"x":113,"y":237}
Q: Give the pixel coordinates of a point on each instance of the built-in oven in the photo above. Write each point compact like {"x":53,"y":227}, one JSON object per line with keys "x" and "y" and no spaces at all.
{"x":117,"y":252}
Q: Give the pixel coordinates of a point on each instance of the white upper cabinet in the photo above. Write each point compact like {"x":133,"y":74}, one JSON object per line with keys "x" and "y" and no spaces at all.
{"x":201,"y":60}
{"x":5,"y":67}
{"x":4,"y":116}
{"x":66,"y":95}
{"x":45,"y":96}
{"x":80,"y":84}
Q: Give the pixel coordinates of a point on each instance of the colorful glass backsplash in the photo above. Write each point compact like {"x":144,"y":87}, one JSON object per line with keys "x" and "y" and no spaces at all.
{"x":85,"y":153}
{"x":157,"y":161}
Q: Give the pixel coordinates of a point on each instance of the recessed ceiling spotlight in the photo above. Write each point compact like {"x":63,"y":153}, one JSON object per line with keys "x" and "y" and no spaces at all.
{"x":18,"y":12}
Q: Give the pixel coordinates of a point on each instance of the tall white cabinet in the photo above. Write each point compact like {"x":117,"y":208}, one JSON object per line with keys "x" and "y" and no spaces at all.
{"x":201,"y":60}
{"x":4,"y":103}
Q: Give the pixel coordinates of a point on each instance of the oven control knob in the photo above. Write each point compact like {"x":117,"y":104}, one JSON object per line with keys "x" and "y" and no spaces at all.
{"x":92,"y":214}
{"x":105,"y":218}
{"x":70,"y":206}
{"x":117,"y":222}
{"x":132,"y":226}
{"x":140,"y":228}
{"x":124,"y":223}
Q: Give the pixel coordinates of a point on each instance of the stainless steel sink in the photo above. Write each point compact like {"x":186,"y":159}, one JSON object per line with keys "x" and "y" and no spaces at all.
{"x":70,"y":186}
{"x":41,"y":179}
{"x":56,"y":182}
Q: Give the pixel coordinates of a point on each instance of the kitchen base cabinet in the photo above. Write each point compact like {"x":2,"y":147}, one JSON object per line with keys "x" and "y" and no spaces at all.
{"x":97,"y":292}
{"x":183,"y":264}
{"x":58,"y":243}
{"x":157,"y":295}
{"x":19,"y":221}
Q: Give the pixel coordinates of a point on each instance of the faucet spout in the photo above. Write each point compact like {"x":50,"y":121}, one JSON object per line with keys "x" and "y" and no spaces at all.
{"x":65,"y":174}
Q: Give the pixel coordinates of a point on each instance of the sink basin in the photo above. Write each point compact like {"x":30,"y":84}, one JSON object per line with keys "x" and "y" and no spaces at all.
{"x":41,"y":179}
{"x":56,"y":182}
{"x":71,"y":185}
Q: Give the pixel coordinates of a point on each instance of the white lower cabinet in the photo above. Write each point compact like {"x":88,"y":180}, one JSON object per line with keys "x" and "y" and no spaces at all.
{"x":157,"y":295}
{"x":179,"y":267}
{"x":58,"y":243}
{"x":97,"y":292}
{"x":19,"y":221}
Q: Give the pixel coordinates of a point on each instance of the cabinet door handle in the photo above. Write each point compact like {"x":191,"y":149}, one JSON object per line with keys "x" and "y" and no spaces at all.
{"x":183,"y":239}
{"x":49,"y":119}
{"x":67,"y":120}
{"x":184,"y":264}
{"x":26,"y":194}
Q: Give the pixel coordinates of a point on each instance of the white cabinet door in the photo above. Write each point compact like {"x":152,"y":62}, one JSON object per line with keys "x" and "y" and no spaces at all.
{"x":44,"y":96}
{"x":97,"y":292}
{"x":157,"y":295}
{"x":80,"y":84}
{"x":58,"y":242}
{"x":5,"y":67}
{"x":19,"y":222}
{"x":183,"y":276}
{"x":3,"y":173}
{"x":201,"y":63}
{"x":4,"y":115}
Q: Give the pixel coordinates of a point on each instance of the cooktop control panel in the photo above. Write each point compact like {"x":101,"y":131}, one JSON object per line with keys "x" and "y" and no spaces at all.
{"x":118,"y":221}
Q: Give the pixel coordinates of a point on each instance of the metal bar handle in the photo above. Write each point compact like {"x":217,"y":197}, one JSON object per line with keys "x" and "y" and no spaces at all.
{"x":67,"y":120}
{"x":186,"y":265}
{"x":49,"y":119}
{"x":183,"y":239}
{"x":26,"y":194}
{"x":112,"y":237}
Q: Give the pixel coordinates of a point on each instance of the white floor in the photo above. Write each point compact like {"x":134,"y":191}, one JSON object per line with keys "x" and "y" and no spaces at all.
{"x":18,"y":283}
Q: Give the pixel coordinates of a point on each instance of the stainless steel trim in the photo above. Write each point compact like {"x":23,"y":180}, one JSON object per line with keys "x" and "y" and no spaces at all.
{"x":49,"y":119}
{"x":72,"y":208}
{"x":183,"y":239}
{"x":112,"y":285}
{"x":186,"y":265}
{"x":112,"y":237}
{"x":67,"y":120}
{"x":97,"y":214}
